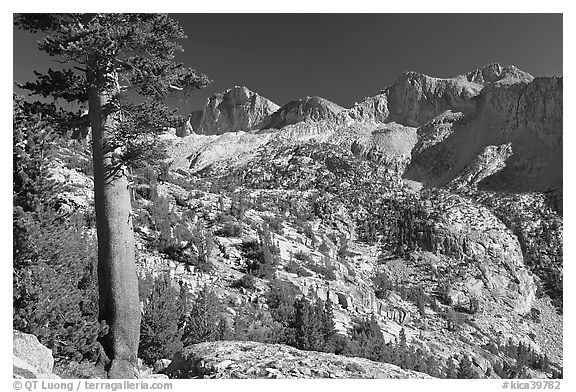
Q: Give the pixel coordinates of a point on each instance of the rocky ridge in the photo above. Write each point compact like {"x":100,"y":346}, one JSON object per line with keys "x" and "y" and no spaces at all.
{"x":431,"y":130}
{"x":273,"y":361}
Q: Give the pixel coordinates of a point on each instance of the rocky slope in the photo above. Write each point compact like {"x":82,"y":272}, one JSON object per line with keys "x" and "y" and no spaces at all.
{"x":272,"y":361}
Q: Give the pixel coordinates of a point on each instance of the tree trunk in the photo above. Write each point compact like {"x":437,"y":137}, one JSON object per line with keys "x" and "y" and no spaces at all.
{"x":117,"y":281}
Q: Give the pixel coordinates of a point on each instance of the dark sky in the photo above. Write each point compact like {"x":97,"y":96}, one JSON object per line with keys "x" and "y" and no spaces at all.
{"x":343,"y":57}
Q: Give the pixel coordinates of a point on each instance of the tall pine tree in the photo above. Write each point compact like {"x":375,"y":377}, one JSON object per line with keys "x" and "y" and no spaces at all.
{"x":105,"y":56}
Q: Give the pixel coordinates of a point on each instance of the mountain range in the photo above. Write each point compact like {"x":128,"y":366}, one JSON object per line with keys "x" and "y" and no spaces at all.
{"x":432,"y":209}
{"x":495,"y":128}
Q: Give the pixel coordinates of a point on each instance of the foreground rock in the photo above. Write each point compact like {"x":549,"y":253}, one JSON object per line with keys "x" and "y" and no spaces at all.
{"x":228,"y":359}
{"x":30,"y":358}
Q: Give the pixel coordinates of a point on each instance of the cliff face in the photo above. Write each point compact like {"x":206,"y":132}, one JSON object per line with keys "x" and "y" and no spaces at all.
{"x":233,"y":110}
{"x":414,"y":98}
{"x":524,"y":116}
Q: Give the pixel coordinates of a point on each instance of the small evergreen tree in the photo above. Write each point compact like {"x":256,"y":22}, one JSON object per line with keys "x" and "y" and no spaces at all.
{"x":432,"y":367}
{"x":328,"y":324}
{"x":451,"y":371}
{"x":160,"y":330}
{"x":465,"y":368}
{"x":307,"y":325}
{"x":204,"y":323}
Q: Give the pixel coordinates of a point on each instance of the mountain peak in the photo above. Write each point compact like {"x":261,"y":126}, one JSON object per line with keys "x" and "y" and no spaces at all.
{"x":495,"y":72}
{"x":310,"y":108}
{"x":235,"y":109}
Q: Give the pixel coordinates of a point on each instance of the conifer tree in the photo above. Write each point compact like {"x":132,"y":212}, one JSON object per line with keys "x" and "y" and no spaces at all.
{"x":204,"y":322}
{"x":105,"y":56}
{"x":328,"y":324}
{"x":451,"y":371}
{"x":431,"y":366}
{"x":160,"y":333}
{"x":307,"y":325}
{"x":465,"y":368}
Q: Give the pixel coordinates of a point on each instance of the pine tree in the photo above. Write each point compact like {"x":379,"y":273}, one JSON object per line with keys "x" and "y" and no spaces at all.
{"x":451,"y":371}
{"x":545,"y":364}
{"x":465,"y":368}
{"x":160,"y":334}
{"x":328,"y":324}
{"x":431,"y":366}
{"x":204,"y":322}
{"x":106,"y":55}
{"x":402,"y":350}
{"x":511,"y":349}
{"x":307,"y":325}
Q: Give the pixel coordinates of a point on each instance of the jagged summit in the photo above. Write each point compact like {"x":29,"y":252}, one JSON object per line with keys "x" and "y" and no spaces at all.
{"x":232,"y":110}
{"x":310,"y":108}
{"x":495,"y":72}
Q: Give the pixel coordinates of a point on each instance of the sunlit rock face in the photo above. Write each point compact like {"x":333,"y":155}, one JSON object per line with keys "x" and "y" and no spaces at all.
{"x":236,"y":109}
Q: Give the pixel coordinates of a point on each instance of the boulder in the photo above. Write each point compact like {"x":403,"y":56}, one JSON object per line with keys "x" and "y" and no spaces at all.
{"x":31,"y":359}
{"x":234,"y":359}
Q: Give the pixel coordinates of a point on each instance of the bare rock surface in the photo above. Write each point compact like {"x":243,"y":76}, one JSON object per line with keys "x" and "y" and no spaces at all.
{"x":31,"y":359}
{"x":307,"y":109}
{"x":233,"y":110}
{"x":235,"y":359}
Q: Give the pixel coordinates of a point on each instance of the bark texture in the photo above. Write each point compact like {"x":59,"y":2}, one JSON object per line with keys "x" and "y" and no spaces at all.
{"x":118,"y":282}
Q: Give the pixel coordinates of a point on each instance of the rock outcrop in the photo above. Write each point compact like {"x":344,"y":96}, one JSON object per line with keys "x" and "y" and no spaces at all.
{"x":415,"y":98}
{"x":307,"y":109}
{"x":30,"y":358}
{"x":526,"y":116}
{"x":260,"y":360}
{"x":496,"y":73}
{"x":486,"y":255}
{"x":236,"y":109}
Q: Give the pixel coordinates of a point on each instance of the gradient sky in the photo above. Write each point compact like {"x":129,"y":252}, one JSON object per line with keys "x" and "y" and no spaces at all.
{"x":343,"y":57}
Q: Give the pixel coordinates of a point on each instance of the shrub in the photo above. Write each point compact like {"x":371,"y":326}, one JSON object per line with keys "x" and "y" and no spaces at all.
{"x":295,"y":268}
{"x":84,"y":370}
{"x":161,"y":326}
{"x":302,"y":256}
{"x":55,"y":293}
{"x":205,"y":322}
{"x":454,"y":319}
{"x":246,"y":281}
{"x":382,"y":285}
{"x":256,"y":325}
{"x":275,"y":224}
{"x":327,"y":272}
{"x":230,"y":229}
